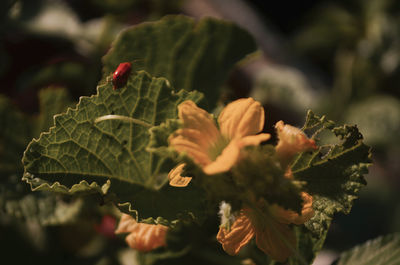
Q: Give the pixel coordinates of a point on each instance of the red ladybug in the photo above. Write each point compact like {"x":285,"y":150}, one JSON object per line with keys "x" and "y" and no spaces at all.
{"x":121,"y":74}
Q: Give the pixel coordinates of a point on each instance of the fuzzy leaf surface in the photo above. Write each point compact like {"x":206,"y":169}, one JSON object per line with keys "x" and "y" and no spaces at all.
{"x":192,"y":56}
{"x":83,"y":155}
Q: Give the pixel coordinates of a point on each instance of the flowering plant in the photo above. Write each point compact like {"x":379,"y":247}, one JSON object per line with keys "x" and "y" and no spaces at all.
{"x":150,"y":147}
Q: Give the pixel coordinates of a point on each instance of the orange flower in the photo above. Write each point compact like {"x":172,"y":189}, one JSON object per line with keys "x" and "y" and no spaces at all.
{"x":216,"y":150}
{"x":143,"y":237}
{"x":270,"y":227}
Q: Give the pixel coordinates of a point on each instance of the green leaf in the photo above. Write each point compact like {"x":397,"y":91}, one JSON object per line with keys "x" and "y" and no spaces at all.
{"x":191,"y":56}
{"x":384,"y":250}
{"x":333,"y":175}
{"x":86,"y":152}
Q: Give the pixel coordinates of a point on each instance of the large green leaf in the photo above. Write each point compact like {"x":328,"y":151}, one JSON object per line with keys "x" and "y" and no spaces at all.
{"x":333,"y":176}
{"x":384,"y":250}
{"x":85,"y":154}
{"x":191,"y":56}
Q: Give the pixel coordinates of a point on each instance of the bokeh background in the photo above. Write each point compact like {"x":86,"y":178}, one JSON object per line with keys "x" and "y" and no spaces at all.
{"x":340,"y":58}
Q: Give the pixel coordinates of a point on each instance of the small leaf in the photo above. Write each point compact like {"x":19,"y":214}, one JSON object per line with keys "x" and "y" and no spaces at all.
{"x":333,"y":175}
{"x":88,"y":152}
{"x":191,"y":56}
{"x":384,"y":250}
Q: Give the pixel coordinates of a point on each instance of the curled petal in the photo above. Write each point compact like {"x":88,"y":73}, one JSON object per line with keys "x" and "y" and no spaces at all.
{"x":291,"y":141}
{"x":291,"y":217}
{"x":225,"y":160}
{"x":276,"y":240}
{"x":241,"y":118}
{"x":143,"y":237}
{"x":240,"y":234}
{"x":176,"y":179}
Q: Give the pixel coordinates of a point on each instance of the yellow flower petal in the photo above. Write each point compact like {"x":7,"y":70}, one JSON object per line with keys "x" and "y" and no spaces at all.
{"x":198,"y":120}
{"x":230,"y":155}
{"x":276,"y":240}
{"x":254,"y":139}
{"x":198,"y":134}
{"x":176,"y":179}
{"x":241,"y":118}
{"x":183,"y":143}
{"x":143,"y":237}
{"x":240,"y":234}
{"x":217,"y":152}
{"x":225,"y":160}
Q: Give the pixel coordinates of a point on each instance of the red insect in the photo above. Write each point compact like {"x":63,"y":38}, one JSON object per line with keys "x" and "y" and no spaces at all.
{"x":121,"y":74}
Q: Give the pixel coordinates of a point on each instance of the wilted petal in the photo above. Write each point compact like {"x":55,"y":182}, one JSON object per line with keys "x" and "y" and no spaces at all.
{"x":143,"y":237}
{"x":241,"y":118}
{"x":276,"y":240}
{"x":291,"y":217}
{"x":176,"y":179}
{"x":225,"y":160}
{"x":291,"y":141}
{"x":240,"y":234}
